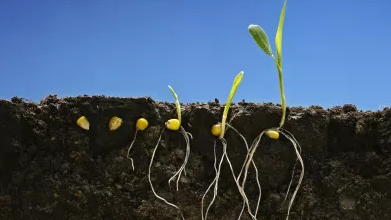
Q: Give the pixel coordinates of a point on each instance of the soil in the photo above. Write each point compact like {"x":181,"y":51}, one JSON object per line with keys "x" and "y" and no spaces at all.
{"x":52,"y":169}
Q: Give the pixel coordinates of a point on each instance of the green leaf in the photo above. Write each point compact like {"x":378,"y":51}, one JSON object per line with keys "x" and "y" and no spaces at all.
{"x":278,"y":39}
{"x":260,"y":37}
{"x":178,"y":105}
{"x":235,"y":85}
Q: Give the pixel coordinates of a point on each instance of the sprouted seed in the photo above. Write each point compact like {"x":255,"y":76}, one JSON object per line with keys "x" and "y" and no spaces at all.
{"x":174,"y":125}
{"x":83,"y":123}
{"x":218,"y":130}
{"x":114,"y":123}
{"x":260,"y":37}
{"x":141,"y":125}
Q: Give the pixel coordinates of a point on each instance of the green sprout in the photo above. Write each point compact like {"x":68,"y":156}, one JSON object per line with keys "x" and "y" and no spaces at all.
{"x":174,"y":125}
{"x":260,"y":37}
{"x":219,"y":130}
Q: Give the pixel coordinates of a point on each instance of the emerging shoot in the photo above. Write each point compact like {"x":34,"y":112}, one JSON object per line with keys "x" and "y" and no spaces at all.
{"x":141,"y":125}
{"x":218,"y":130}
{"x":174,"y":125}
{"x":262,"y":41}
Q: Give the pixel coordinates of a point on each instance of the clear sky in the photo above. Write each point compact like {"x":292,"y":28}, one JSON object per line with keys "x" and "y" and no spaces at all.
{"x":334,"y":51}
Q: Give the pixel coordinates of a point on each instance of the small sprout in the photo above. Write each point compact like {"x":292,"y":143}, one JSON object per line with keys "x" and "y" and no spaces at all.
{"x":235,"y":85}
{"x":114,"y":123}
{"x":83,"y":123}
{"x":141,"y":125}
{"x":273,"y":134}
{"x":216,"y":130}
{"x":173,"y":124}
{"x":261,"y":39}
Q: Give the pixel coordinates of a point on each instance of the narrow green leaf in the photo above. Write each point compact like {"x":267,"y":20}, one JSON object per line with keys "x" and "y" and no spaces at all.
{"x":178,"y":105}
{"x":278,"y":39}
{"x":260,"y":37}
{"x":235,"y":85}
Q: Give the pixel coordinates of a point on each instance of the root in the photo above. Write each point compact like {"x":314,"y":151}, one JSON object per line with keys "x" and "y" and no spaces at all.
{"x":294,"y":167}
{"x":250,"y":155}
{"x":130,"y":147}
{"x":186,"y":135}
{"x":256,"y":174}
{"x":203,"y":197}
{"x":149,"y":177}
{"x":296,"y":145}
{"x":216,"y":179}
{"x":246,"y":164}
{"x":215,"y":182}
{"x":236,"y":181}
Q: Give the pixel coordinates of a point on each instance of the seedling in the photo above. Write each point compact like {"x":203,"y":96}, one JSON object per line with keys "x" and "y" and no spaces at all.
{"x":174,"y":125}
{"x":218,"y":130}
{"x":141,"y":125}
{"x":260,"y":37}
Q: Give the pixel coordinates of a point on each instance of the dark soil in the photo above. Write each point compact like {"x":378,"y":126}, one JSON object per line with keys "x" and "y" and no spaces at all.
{"x":52,"y":169}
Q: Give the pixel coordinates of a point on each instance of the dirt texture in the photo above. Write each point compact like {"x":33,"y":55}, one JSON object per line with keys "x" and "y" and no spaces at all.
{"x":52,"y":169}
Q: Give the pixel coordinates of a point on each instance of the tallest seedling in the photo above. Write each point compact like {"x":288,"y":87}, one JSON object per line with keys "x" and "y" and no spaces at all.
{"x":262,"y":40}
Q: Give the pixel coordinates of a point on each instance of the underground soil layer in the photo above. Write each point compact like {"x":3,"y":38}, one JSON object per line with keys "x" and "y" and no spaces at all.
{"x":50,"y":168}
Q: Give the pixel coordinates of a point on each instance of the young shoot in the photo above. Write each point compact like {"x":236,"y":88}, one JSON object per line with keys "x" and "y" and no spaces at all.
{"x":173,"y":125}
{"x":260,"y":37}
{"x":218,"y":130}
{"x":141,"y":125}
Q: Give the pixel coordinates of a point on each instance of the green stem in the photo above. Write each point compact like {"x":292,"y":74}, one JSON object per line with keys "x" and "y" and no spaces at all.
{"x":281,"y":83}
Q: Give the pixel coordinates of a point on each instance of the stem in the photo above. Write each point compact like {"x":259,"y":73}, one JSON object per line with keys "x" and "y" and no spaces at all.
{"x":282,"y":93}
{"x":223,"y":121}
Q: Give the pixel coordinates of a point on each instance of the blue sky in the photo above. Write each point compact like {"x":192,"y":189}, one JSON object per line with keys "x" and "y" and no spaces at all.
{"x":334,"y":52}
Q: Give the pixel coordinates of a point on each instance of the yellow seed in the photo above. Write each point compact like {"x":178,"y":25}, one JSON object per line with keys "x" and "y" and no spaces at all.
{"x":115,"y":123}
{"x":273,"y":134}
{"x":173,"y":124}
{"x":141,"y":124}
{"x":216,"y":129}
{"x":83,"y":123}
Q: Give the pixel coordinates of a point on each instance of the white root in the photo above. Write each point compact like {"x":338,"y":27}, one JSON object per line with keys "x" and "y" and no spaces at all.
{"x":294,"y":167}
{"x":150,"y":182}
{"x":203,"y":197}
{"x":216,"y":183}
{"x":295,"y":145}
{"x":256,"y":174}
{"x":246,"y":165}
{"x":224,"y":142}
{"x":130,"y":147}
{"x":186,"y":135}
{"x":217,"y":170}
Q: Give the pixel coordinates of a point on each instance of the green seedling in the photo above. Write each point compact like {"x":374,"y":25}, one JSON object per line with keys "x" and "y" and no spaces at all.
{"x":261,"y":39}
{"x":218,"y":130}
{"x":174,"y":125}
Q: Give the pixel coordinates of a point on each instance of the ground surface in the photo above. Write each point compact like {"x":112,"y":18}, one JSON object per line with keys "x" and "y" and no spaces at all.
{"x":52,"y":169}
